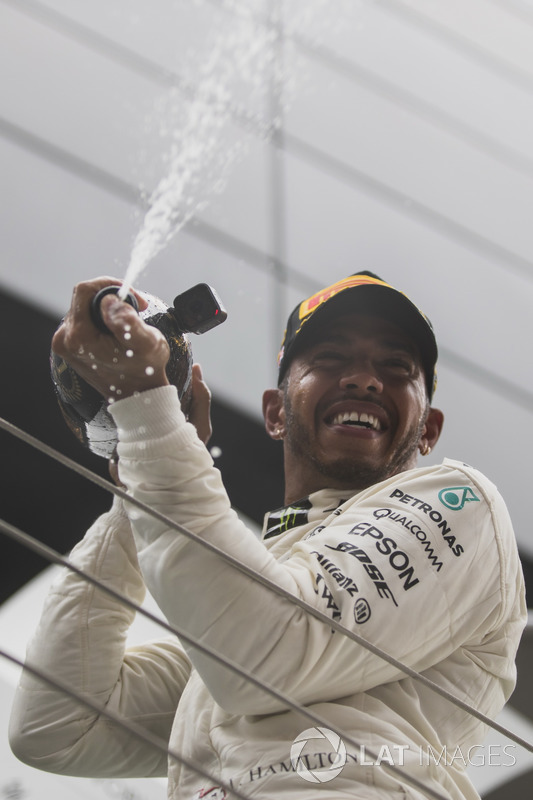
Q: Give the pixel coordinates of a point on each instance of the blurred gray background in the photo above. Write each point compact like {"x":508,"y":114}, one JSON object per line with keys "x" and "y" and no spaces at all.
{"x":390,"y":135}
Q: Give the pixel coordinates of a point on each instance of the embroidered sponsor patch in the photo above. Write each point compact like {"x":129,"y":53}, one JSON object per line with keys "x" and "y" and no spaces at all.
{"x":455,"y":497}
{"x":361,"y":611}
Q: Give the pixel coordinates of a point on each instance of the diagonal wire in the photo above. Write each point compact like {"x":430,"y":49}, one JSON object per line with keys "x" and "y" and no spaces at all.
{"x":261,"y":579}
{"x":417,"y":19}
{"x":408,"y":206}
{"x":66,"y":160}
{"x":132,"y":727}
{"x":497,"y":384}
{"x":408,"y":101}
{"x":318,"y":158}
{"x":284,"y":699}
{"x":460,"y":43}
{"x":403,"y":98}
{"x":150,"y":70}
{"x":238,"y":248}
{"x":340,"y":170}
{"x":522,"y":10}
{"x":129,"y":59}
{"x":128,"y":192}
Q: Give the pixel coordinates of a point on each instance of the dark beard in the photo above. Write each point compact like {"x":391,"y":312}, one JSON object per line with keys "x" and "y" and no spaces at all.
{"x":350,"y":473}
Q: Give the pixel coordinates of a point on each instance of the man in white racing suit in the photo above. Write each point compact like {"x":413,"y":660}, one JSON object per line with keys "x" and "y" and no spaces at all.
{"x":419,"y":562}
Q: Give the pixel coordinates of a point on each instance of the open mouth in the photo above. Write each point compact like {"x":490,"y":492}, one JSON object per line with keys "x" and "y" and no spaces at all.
{"x":356,"y":419}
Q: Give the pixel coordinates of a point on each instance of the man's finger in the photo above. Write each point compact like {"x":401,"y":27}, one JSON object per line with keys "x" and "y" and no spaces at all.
{"x":200,"y":413}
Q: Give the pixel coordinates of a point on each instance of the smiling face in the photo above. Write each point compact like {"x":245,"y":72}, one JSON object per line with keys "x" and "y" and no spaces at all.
{"x":353,"y":408}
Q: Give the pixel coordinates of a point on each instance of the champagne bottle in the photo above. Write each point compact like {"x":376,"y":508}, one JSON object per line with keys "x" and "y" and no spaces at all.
{"x":85,"y":409}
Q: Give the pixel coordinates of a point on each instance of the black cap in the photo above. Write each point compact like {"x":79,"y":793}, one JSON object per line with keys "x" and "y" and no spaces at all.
{"x":368,"y":293}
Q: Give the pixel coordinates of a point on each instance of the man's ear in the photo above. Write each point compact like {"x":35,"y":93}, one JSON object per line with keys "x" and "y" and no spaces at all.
{"x":274,"y":413}
{"x":433,"y":428}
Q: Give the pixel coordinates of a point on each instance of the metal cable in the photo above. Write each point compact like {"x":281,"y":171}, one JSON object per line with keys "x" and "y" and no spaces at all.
{"x":497,"y":384}
{"x":406,"y":100}
{"x":410,"y":207}
{"x":328,"y":163}
{"x":298,"y":145}
{"x":290,"y":143}
{"x":124,"y":190}
{"x":130,"y":59}
{"x":520,"y":10}
{"x":136,"y":730}
{"x":317,"y":719}
{"x":462,"y":44}
{"x":260,"y":579}
{"x":417,"y":19}
{"x":253,"y":123}
{"x":240,"y":249}
{"x":391,"y":92}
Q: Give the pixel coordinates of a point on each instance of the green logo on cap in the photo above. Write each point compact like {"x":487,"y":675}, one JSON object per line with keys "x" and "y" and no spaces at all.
{"x":455,"y":497}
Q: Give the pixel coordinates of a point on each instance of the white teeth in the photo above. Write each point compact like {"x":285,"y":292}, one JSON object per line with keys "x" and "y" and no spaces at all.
{"x":368,"y":420}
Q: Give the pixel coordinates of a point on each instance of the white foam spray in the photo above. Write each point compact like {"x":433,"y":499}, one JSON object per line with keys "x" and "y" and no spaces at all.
{"x":242,"y":59}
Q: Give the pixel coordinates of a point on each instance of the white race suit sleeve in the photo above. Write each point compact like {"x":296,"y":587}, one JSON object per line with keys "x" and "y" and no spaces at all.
{"x":81,"y":641}
{"x":462,"y":590}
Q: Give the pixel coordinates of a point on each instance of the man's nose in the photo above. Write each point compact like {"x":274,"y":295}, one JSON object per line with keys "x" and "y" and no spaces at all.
{"x":362,"y":377}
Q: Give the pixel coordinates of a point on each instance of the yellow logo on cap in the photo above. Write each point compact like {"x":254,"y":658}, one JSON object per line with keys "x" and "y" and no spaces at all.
{"x":312,"y":303}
